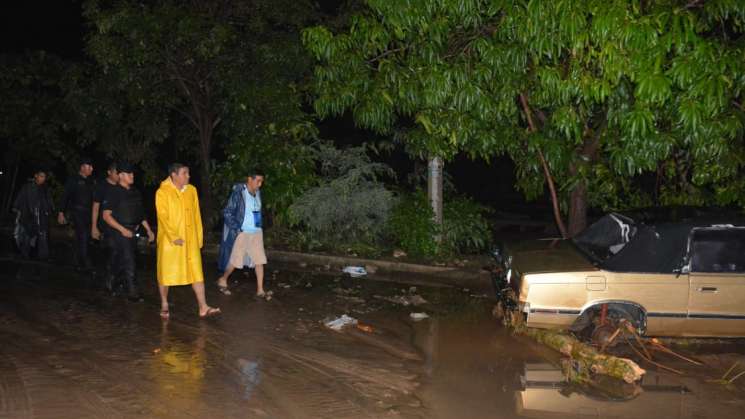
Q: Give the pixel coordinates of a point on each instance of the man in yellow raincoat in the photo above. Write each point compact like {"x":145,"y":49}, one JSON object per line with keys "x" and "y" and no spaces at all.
{"x":180,"y":239}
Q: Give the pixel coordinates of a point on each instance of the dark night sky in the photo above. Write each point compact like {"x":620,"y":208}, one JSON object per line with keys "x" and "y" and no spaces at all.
{"x":54,"y":25}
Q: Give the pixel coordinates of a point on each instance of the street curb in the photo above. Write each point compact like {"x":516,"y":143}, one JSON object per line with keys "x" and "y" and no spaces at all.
{"x":473,"y":279}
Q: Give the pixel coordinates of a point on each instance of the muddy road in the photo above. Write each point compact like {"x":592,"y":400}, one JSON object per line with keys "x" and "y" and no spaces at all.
{"x":68,"y":350}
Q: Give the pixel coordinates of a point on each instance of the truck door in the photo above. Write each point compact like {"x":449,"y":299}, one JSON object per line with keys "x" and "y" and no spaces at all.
{"x":716,"y":299}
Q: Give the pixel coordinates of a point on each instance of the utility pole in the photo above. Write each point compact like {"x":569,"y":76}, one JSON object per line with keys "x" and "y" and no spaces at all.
{"x":434,"y":190}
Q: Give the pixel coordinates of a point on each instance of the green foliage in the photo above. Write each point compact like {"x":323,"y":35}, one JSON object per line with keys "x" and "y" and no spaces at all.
{"x":412,"y":228}
{"x":350,"y":204}
{"x":464,"y":230}
{"x":209,"y":76}
{"x":283,"y":156}
{"x":34,"y":119}
{"x":620,"y":88}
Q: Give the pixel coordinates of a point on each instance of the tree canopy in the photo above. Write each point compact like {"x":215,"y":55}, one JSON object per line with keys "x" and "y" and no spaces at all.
{"x":600,"y":97}
{"x":203,"y":64}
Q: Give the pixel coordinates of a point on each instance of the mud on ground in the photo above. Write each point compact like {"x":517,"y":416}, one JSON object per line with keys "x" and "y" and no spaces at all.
{"x":70,"y":350}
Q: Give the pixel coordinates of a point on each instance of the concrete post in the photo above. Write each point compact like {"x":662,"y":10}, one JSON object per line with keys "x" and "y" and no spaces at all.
{"x":434,"y":187}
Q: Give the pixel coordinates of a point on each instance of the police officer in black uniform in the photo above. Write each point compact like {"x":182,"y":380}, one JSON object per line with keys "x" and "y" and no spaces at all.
{"x":77,"y":200}
{"x":123,"y":213}
{"x":98,"y":225}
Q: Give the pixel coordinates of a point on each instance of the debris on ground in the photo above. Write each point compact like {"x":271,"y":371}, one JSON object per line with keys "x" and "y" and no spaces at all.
{"x":414,"y":300}
{"x":418,"y":316}
{"x":399,"y":253}
{"x":339,"y":323}
{"x":365,"y":327}
{"x":354,"y":271}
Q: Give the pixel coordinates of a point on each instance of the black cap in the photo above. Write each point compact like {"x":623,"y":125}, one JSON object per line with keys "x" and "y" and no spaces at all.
{"x":86,"y":160}
{"x":125,"y":167}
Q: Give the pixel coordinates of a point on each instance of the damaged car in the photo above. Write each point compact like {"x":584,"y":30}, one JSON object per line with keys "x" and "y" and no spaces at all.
{"x":683,"y":278}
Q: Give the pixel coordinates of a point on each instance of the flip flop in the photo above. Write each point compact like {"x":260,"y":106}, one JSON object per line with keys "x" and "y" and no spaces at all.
{"x":211,"y":312}
{"x":165,"y":314}
{"x":223,"y":290}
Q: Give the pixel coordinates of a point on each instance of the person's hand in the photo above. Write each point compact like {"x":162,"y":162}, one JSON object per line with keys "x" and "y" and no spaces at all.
{"x":127,"y":233}
{"x":61,"y":218}
{"x":150,"y":236}
{"x":178,"y":242}
{"x":95,"y":233}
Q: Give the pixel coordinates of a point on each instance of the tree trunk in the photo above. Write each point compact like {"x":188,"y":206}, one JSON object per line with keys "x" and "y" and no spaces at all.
{"x":578,"y":208}
{"x":554,"y":197}
{"x":588,"y":360}
{"x":546,"y":171}
{"x":11,"y":187}
{"x":205,"y":140}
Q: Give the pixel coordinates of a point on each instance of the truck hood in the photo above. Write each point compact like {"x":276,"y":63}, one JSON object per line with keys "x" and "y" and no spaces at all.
{"x":540,"y":256}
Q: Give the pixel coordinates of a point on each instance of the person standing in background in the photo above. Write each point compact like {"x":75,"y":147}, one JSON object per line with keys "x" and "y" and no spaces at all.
{"x":98,"y":225}
{"x":77,"y":201}
{"x":34,"y":205}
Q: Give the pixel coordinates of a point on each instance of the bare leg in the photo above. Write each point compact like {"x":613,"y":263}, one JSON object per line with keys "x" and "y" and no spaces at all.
{"x":198,"y":288}
{"x":259,"y":279}
{"x":163,"y":298}
{"x":223,"y":280}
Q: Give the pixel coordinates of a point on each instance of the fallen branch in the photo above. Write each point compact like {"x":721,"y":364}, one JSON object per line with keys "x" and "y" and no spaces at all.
{"x":657,"y":364}
{"x":587,"y":358}
{"x":656,"y":345}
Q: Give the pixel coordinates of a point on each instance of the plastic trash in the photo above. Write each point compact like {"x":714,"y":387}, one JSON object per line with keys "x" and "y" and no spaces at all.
{"x":365,"y":328}
{"x":355,"y":271}
{"x":340,"y":322}
{"x":418,"y":316}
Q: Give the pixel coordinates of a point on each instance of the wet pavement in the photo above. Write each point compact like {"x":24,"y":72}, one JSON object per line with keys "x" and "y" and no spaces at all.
{"x":69,"y":350}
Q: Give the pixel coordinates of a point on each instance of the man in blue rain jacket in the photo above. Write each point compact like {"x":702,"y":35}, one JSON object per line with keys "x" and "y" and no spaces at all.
{"x":242,"y":241}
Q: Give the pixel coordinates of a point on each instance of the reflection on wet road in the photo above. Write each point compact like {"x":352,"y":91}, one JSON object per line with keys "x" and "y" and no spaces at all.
{"x":68,"y":350}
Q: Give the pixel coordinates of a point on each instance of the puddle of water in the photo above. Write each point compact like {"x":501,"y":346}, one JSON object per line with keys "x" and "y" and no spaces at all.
{"x":476,"y":369}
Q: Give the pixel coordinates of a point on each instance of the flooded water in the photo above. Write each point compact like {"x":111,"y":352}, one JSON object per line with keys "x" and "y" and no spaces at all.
{"x":70,"y":351}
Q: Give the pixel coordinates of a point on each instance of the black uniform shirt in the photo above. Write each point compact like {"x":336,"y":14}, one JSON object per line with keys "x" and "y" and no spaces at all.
{"x":78,"y":194}
{"x":125,"y":205}
{"x":102,"y":189}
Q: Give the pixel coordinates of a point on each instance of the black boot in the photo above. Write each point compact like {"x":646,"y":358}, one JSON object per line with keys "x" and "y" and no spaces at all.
{"x":133,"y":291}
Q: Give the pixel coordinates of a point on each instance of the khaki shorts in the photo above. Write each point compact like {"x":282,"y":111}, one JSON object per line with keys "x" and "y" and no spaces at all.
{"x":248,"y":245}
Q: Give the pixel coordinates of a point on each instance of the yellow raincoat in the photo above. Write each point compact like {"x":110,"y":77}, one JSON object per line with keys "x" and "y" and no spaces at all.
{"x":178,"y":218}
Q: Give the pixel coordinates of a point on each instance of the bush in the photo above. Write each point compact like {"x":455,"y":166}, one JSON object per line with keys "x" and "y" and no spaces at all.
{"x":284,"y":156}
{"x":465,"y":229}
{"x":349,"y":205}
{"x":412,"y":228}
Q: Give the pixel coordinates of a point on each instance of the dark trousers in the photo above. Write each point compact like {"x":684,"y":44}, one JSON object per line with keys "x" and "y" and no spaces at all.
{"x":110,"y":267}
{"x":81,"y":220}
{"x":124,"y":264}
{"x":41,"y":244}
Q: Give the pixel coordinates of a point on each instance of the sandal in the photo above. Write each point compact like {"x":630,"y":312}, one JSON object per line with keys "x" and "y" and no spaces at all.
{"x":211,"y":312}
{"x":165,"y":314}
{"x":223,"y":290}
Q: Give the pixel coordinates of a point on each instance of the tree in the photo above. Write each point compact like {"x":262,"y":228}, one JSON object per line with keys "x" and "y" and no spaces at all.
{"x":589,"y":98}
{"x":192,"y":58}
{"x":116,"y":127}
{"x":35,"y":127}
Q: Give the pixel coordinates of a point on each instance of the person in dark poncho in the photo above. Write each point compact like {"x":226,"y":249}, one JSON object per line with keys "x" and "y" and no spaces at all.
{"x":33,"y":206}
